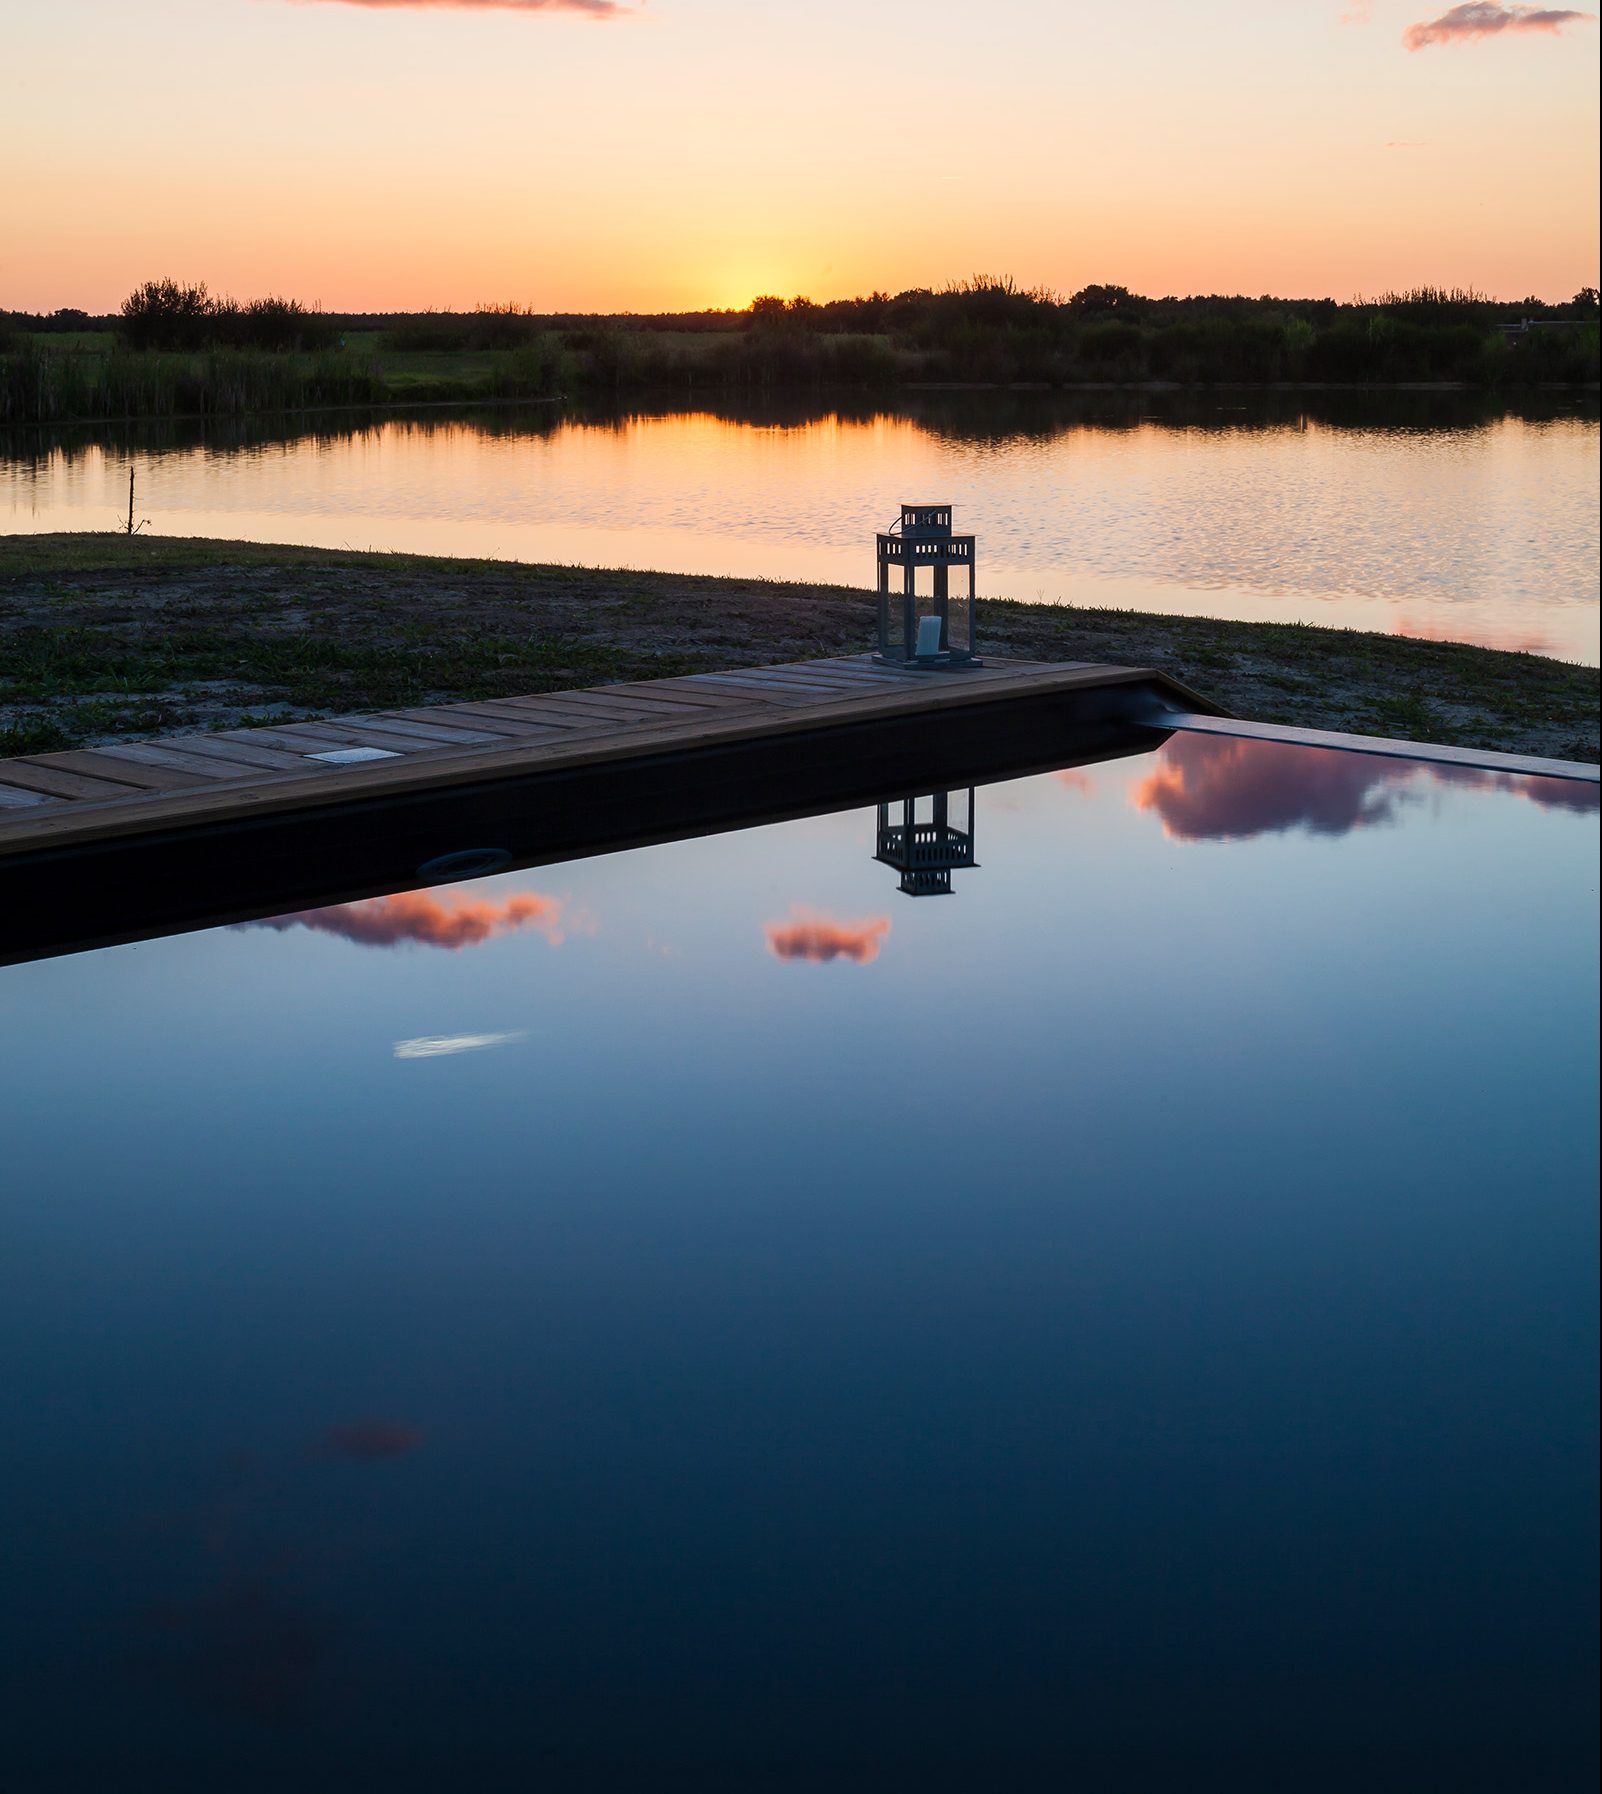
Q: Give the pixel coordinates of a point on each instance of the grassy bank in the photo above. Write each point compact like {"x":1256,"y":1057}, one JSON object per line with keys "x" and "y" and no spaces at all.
{"x":110,"y":637}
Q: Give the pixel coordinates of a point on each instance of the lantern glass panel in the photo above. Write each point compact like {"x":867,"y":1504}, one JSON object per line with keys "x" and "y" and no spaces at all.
{"x":958,"y":612}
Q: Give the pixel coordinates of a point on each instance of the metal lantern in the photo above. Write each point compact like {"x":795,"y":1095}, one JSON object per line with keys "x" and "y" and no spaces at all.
{"x":926,"y":839}
{"x":925,"y":629}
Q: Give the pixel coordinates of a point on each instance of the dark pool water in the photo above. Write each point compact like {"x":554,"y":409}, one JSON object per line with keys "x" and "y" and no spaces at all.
{"x":699,"y":1318}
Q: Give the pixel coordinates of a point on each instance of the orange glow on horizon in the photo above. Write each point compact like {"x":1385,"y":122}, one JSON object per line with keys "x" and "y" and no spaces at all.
{"x":654,"y":164}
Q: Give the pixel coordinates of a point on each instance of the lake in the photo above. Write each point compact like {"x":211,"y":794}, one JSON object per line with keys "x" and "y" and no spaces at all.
{"x":1431,"y":514}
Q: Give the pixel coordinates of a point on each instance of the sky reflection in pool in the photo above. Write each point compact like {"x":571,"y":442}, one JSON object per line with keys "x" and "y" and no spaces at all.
{"x":1130,"y":1323}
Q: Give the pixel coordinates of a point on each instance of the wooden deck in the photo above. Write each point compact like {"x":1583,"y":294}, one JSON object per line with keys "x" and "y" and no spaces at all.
{"x":86,"y":795}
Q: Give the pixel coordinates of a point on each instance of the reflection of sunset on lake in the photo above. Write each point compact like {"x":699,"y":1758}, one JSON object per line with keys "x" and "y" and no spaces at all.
{"x":1211,"y":788}
{"x":1514,"y":638}
{"x":414,"y":918}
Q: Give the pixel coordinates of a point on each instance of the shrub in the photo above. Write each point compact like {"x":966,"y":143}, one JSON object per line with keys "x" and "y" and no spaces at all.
{"x":277,"y":324}
{"x":164,"y":314}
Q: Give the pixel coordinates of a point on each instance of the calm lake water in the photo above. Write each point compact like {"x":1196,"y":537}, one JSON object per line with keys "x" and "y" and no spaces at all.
{"x":700,"y":1319}
{"x":1411,"y":513}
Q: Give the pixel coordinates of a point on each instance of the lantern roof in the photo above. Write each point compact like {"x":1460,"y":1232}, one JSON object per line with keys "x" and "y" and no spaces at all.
{"x":925,"y":522}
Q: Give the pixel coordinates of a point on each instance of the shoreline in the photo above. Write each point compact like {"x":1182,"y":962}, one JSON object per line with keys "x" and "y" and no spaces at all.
{"x":107,"y":637}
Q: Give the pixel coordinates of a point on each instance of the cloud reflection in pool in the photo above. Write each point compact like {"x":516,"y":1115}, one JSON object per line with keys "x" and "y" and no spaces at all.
{"x":1205,"y":788}
{"x":813,"y":935}
{"x":417,"y":918}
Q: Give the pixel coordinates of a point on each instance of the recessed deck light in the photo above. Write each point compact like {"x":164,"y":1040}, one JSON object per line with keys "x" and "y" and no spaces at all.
{"x":353,"y":756}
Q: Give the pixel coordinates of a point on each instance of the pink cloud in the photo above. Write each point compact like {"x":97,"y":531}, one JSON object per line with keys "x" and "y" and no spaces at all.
{"x":1211,"y":788}
{"x":417,"y":918}
{"x":596,"y":9}
{"x":812,"y":935}
{"x":1462,"y":24}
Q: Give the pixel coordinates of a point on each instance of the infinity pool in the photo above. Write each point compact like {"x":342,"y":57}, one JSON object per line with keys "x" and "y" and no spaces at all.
{"x":702,"y":1318}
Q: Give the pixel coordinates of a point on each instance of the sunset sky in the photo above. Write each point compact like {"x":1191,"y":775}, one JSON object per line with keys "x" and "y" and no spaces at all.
{"x":392,"y":154}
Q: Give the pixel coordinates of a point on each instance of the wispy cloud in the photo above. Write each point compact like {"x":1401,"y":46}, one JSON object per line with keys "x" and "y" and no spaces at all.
{"x":596,"y":9}
{"x":1360,"y":12}
{"x":441,"y":1046}
{"x":1462,"y":24}
{"x":812,"y":935}
{"x":420,"y":919}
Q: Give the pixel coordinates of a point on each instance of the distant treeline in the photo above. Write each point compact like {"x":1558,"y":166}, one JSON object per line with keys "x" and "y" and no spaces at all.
{"x":176,"y":348}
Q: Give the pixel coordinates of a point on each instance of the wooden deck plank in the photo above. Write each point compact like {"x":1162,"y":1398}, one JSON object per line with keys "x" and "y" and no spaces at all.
{"x":827,"y":680}
{"x":241,"y":753}
{"x":672,"y":692}
{"x":647,"y":705}
{"x":358,"y":732}
{"x":56,"y":781}
{"x":758,"y":690}
{"x":309,"y":738}
{"x":580,"y":716}
{"x":529,"y":726}
{"x":693,"y":685}
{"x":761,"y":679}
{"x":397,"y":722}
{"x":875,"y":676}
{"x":100,"y":763}
{"x":149,"y":753}
{"x":471,"y":714}
{"x":448,"y":723}
{"x":13,"y":797}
